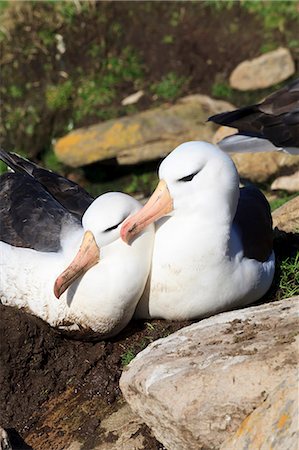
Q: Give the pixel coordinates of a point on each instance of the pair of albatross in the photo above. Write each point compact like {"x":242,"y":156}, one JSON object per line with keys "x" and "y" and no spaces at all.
{"x":212,"y":249}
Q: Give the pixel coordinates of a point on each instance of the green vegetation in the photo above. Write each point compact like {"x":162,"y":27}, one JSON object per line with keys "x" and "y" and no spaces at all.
{"x":58,"y":97}
{"x":145,"y":182}
{"x":3,"y":167}
{"x":152,"y":332}
{"x":222,"y":90}
{"x":127,"y":357}
{"x":170,"y":87}
{"x":51,"y":162}
{"x":282,"y":198}
{"x":289,"y":279}
{"x":275,"y":14}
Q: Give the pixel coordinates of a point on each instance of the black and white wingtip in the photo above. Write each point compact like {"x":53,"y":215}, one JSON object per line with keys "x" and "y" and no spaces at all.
{"x":239,"y":143}
{"x":272,"y":125}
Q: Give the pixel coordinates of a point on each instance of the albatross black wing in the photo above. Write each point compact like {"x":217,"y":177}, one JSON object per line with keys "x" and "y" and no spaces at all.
{"x":274,"y":121}
{"x":254,"y":221}
{"x":29,"y":216}
{"x":69,"y":194}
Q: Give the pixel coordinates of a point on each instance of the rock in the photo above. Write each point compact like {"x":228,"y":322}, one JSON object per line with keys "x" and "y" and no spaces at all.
{"x":133,"y":98}
{"x":123,"y":430}
{"x":274,"y":423}
{"x":261,"y":166}
{"x":126,"y":430}
{"x":286,"y":218}
{"x":288,"y":183}
{"x":264,"y":71}
{"x":195,"y":387}
{"x":4,"y":440}
{"x":222,"y":133}
{"x":145,"y":136}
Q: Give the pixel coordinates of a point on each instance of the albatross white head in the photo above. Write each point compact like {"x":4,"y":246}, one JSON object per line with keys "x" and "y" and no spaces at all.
{"x":195,"y":178}
{"x":101,"y":224}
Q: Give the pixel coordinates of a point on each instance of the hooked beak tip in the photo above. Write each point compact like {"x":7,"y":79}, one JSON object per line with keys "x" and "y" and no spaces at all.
{"x":126,"y":230}
{"x":57,"y":292}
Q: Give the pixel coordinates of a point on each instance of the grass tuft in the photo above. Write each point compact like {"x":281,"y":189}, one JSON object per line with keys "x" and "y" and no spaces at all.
{"x":289,"y":280}
{"x":127,"y":357}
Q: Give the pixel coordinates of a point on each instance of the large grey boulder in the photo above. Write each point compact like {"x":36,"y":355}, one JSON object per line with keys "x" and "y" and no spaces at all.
{"x":141,"y":137}
{"x":195,"y":387}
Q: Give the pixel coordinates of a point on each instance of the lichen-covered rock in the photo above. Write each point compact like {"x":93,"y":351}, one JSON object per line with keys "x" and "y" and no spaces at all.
{"x":145,"y":136}
{"x":273,"y":424}
{"x":264,"y":71}
{"x":195,"y":387}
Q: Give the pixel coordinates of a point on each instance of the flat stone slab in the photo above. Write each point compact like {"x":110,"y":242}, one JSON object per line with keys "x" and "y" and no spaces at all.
{"x":195,"y":387}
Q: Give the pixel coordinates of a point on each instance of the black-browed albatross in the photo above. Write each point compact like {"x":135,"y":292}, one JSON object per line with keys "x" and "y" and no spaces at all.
{"x":48,"y":252}
{"x":213,"y":241}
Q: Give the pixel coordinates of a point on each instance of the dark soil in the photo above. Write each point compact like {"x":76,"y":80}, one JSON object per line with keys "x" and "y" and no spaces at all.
{"x":39,"y":364}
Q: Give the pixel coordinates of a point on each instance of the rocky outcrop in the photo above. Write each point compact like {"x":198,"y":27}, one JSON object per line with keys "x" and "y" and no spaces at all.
{"x":196,"y":387}
{"x":145,"y":136}
{"x":286,"y":218}
{"x":264,"y":71}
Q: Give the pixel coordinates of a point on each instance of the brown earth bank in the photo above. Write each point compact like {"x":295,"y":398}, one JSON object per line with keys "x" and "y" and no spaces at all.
{"x":55,"y":390}
{"x":112,"y":49}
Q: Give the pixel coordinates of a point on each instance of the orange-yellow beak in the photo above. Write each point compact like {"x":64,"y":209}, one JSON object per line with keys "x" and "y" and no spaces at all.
{"x":158,"y":205}
{"x":87,"y":256}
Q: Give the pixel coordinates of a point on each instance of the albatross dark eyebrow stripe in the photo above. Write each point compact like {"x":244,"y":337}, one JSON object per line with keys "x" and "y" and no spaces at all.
{"x":113,"y":227}
{"x":189,"y":177}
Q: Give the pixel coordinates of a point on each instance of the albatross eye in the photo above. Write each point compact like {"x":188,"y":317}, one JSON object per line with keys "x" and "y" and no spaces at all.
{"x":188,"y":177}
